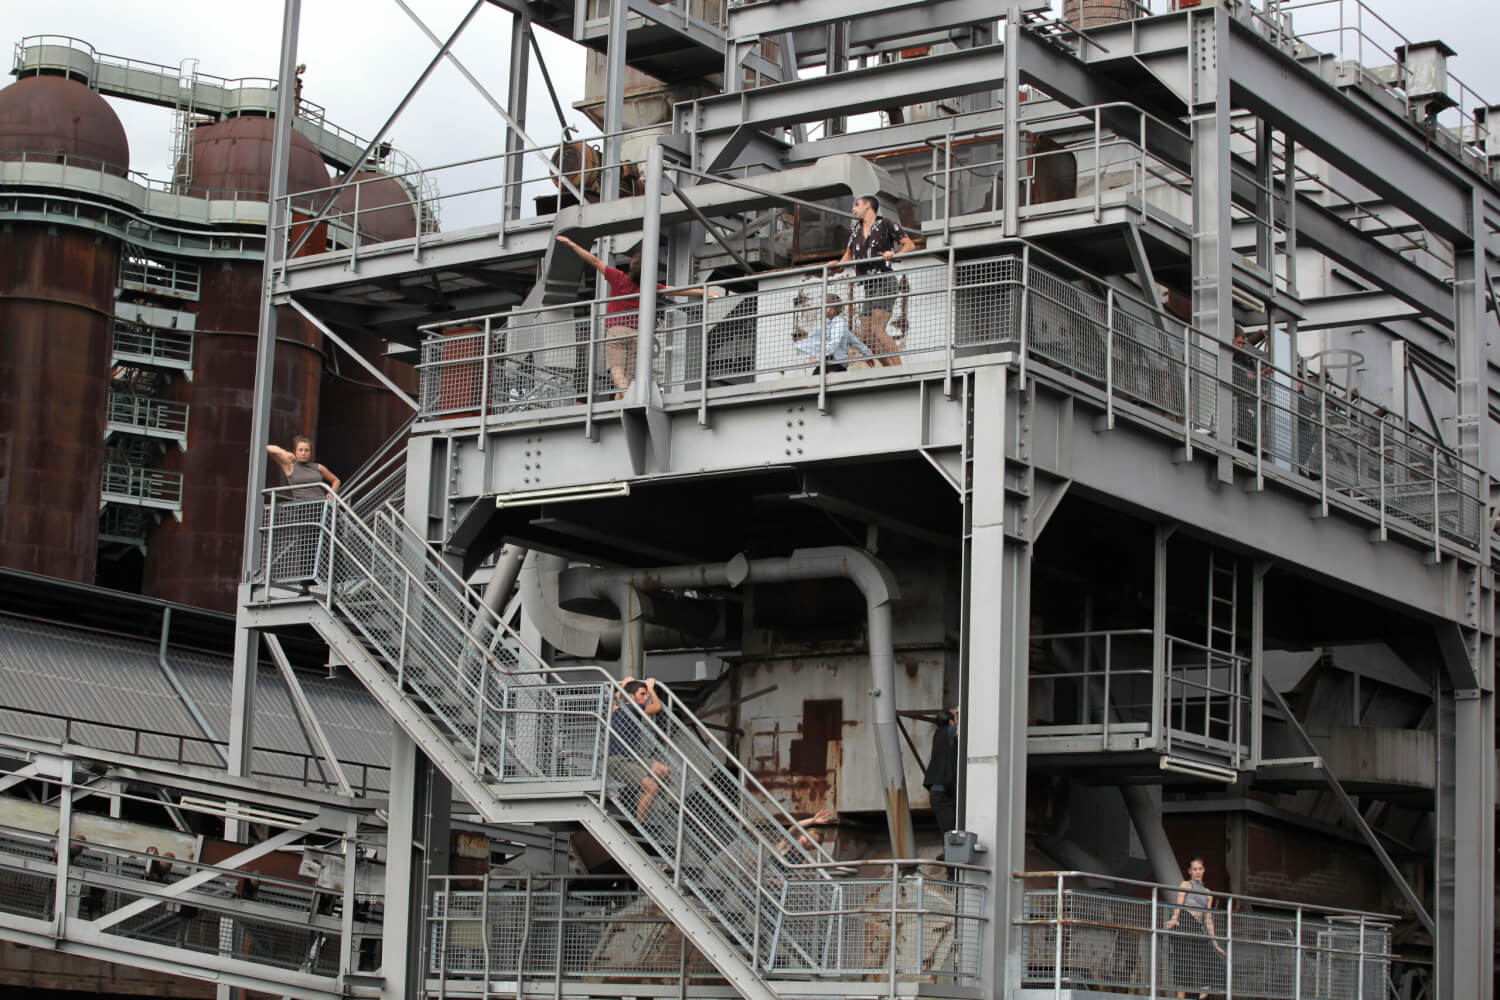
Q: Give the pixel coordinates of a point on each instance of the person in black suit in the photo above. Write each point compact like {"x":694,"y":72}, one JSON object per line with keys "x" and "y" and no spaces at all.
{"x":941,"y":776}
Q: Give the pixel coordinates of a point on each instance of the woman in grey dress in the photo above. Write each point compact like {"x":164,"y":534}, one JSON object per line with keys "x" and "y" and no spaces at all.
{"x":299,"y":552}
{"x":1194,"y":964}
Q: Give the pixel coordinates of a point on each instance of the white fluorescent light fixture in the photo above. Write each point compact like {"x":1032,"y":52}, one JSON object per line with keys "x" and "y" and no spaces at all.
{"x":562,"y":494}
{"x":1198,"y":769}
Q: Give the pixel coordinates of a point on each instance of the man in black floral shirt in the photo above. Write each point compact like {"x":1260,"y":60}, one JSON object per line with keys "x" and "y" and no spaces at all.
{"x":872,"y":236}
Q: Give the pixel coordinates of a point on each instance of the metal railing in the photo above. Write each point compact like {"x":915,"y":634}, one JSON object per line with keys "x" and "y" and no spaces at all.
{"x":546,"y":927}
{"x":1370,"y":47}
{"x":137,"y":901}
{"x":1130,"y":356}
{"x":141,"y":343}
{"x":135,"y":229}
{"x":470,"y":192}
{"x":733,"y":852}
{"x":1091,"y":157}
{"x":304,"y":769}
{"x":148,"y":416}
{"x":1097,"y":690}
{"x":1133,"y":936}
{"x":132,"y":484}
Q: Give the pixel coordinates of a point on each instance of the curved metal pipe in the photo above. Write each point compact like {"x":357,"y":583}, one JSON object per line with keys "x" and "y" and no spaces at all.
{"x":874,"y":581}
{"x":581,"y":635}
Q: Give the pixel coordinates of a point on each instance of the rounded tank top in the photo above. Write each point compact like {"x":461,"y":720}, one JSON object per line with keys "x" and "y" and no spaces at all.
{"x":309,"y":477}
{"x":1197,"y":898}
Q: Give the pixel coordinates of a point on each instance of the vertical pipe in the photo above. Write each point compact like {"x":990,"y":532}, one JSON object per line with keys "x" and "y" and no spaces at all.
{"x":1011,"y":137}
{"x":650,"y":245}
{"x":247,"y":644}
{"x":515,"y":99}
{"x":887,"y":730}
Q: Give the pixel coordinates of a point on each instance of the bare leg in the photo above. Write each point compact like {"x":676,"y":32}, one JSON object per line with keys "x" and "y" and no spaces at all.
{"x":650,"y":785}
{"x":619,"y":357}
{"x":880,"y":341}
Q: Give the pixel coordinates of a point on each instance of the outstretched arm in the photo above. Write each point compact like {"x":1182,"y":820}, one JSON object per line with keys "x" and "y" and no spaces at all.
{"x":653,"y":701}
{"x":330,"y":479}
{"x":593,"y":261}
{"x":281,"y":457}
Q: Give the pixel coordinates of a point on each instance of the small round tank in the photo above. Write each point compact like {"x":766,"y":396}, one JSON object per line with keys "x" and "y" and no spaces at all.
{"x":54,"y":116}
{"x":198,"y":561}
{"x":56,"y":315}
{"x":1096,"y":13}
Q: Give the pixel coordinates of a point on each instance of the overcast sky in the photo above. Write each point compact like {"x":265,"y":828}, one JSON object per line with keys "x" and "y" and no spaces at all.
{"x":362,"y":55}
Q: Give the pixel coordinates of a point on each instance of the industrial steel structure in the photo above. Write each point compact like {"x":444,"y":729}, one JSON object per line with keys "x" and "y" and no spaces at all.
{"x":1169,"y":468}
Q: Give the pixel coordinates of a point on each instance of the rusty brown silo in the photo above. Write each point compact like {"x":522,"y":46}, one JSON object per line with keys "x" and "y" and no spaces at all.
{"x":1096,"y":13}
{"x":357,"y":413}
{"x":52,"y":116}
{"x":197,"y":561}
{"x":57,"y":289}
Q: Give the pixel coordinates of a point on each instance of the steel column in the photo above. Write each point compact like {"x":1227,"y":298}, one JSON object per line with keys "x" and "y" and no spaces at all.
{"x":997,"y":602}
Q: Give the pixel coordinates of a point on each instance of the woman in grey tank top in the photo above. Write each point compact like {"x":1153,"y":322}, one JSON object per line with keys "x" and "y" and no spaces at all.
{"x":1195,"y":966}
{"x":298,"y":469}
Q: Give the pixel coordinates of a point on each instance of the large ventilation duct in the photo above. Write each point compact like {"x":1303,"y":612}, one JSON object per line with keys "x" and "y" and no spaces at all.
{"x":626,"y":589}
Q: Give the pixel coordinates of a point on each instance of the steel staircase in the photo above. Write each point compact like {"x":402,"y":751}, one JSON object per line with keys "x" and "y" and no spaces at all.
{"x":525,"y":742}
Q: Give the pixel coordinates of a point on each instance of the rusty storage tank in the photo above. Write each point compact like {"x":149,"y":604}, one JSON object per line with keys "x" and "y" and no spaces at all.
{"x":197,"y":561}
{"x":357,"y":413}
{"x":1096,"y":13}
{"x":57,"y":289}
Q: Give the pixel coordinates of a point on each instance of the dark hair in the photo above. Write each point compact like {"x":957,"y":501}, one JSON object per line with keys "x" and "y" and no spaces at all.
{"x":633,"y":269}
{"x":300,"y":439}
{"x":874,"y":201}
{"x":633,"y":685}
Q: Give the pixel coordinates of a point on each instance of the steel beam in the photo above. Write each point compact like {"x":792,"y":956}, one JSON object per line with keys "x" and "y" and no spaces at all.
{"x":1388,"y":158}
{"x":887,"y":23}
{"x":996,"y":600}
{"x":1354,"y":309}
{"x":1129,"y":467}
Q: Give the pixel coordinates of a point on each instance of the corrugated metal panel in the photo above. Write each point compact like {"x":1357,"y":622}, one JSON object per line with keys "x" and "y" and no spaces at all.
{"x":114,"y":681}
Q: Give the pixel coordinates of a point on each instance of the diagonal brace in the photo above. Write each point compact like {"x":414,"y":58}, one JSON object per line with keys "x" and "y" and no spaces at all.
{"x":1355,"y":816}
{"x":193,"y":881}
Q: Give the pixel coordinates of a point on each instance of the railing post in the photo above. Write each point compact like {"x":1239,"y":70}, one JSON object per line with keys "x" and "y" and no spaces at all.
{"x":332,"y":508}
{"x":1260,"y":479}
{"x":1023,"y":319}
{"x":681,"y":823}
{"x":703,"y":361}
{"x":1187,"y":390}
{"x":1057,"y":944}
{"x":1297,"y":959}
{"x":1229,"y":948}
{"x":952,"y":338}
{"x":588,"y":381}
{"x":354,"y":239}
{"x":1155,"y":941}
{"x":270,"y":537}
{"x":1098,"y":193}
{"x":1437,"y":535}
{"x":1361,"y":991}
{"x":948,"y":186}
{"x":760,"y":860}
{"x":1322,"y":447}
{"x":405,"y":617}
{"x":484,"y":385}
{"x":1109,"y":359}
{"x":891,"y":937}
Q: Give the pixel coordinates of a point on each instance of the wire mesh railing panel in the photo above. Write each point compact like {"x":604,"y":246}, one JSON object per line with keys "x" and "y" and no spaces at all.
{"x":1138,"y":936}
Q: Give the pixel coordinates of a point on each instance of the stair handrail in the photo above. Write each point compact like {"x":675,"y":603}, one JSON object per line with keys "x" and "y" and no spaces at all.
{"x":767,"y":895}
{"x":475,"y":691}
{"x":783,"y":823}
{"x":679,"y":706}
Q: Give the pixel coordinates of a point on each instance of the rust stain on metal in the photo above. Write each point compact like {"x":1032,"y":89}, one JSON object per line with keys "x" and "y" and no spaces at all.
{"x":822,"y":723}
